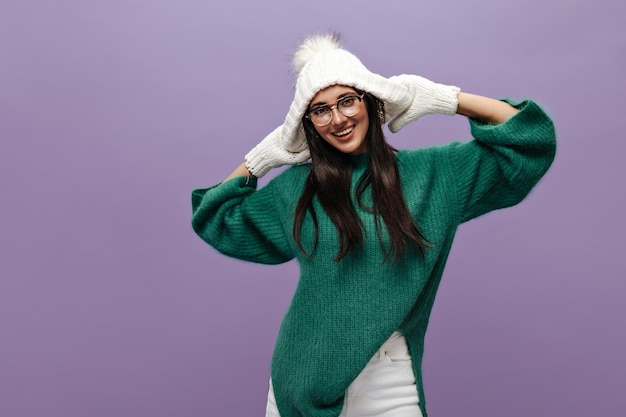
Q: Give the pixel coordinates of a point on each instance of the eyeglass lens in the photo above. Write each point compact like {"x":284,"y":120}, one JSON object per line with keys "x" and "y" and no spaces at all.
{"x":348,"y":106}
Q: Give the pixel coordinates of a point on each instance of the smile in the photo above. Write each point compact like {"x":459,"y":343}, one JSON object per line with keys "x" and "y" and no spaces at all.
{"x":344,"y":132}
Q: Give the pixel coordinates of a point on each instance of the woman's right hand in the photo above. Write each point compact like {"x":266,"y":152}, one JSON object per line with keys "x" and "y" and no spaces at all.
{"x":271,"y":153}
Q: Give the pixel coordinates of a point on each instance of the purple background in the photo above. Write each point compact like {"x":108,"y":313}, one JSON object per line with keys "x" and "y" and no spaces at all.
{"x":112,"y":112}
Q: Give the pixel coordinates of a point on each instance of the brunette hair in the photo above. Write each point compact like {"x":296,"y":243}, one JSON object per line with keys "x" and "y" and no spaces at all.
{"x":330,"y":178}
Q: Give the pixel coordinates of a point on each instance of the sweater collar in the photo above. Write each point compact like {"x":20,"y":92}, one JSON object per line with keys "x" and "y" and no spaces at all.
{"x":360,"y":161}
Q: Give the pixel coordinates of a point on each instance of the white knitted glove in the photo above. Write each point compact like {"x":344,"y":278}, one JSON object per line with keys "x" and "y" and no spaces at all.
{"x":428,"y":98}
{"x":271,"y":153}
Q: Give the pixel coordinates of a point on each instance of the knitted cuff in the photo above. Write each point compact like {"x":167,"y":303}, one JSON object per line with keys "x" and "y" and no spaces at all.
{"x":257,"y":163}
{"x":440,"y":99}
{"x":265,"y":155}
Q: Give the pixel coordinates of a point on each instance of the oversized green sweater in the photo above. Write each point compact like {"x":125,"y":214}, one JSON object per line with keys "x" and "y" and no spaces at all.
{"x":342,"y":312}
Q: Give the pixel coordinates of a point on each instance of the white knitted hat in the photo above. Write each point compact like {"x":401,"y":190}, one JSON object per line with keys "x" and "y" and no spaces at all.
{"x":321,"y":62}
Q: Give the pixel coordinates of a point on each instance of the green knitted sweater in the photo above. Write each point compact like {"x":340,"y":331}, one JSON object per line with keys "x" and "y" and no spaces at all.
{"x":342,"y":312}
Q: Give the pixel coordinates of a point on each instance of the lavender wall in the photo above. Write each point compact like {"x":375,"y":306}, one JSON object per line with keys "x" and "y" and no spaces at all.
{"x":112,"y":111}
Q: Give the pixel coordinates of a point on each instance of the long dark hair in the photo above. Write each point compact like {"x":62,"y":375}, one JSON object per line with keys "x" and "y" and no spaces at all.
{"x":330,"y":178}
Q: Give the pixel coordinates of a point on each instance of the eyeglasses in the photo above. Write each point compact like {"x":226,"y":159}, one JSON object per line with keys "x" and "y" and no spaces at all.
{"x":348,"y":106}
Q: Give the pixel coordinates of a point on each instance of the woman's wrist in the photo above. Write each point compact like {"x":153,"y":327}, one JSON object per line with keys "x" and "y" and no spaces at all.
{"x":486,"y":109}
{"x":240,"y":171}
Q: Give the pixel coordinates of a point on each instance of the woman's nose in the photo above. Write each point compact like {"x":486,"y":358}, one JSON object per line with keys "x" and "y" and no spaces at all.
{"x":338,"y":117}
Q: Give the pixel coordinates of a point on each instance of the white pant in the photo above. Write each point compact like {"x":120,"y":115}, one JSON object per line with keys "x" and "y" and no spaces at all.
{"x":384,"y":388}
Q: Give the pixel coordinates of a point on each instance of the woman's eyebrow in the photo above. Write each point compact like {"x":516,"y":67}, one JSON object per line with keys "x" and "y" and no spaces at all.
{"x":339,"y":97}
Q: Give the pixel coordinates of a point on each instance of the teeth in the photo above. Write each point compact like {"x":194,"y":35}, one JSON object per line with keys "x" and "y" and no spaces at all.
{"x":345,"y":132}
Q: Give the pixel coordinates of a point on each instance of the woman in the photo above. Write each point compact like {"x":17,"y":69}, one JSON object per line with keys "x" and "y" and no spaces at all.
{"x":371,"y":227}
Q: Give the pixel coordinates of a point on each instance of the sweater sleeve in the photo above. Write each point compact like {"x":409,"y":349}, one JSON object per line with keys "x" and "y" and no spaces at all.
{"x":504,"y":162}
{"x":241,"y":222}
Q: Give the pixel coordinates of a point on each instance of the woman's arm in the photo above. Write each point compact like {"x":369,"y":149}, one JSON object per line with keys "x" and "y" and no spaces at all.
{"x":487,"y":110}
{"x":515,"y":144}
{"x":240,"y":171}
{"x":242,"y":222}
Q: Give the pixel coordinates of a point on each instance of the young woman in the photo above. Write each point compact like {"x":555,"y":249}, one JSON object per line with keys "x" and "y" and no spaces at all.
{"x":371,"y":227}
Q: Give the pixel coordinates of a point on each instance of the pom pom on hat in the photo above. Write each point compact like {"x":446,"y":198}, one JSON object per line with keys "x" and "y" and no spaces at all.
{"x":312,"y":46}
{"x":321,"y":62}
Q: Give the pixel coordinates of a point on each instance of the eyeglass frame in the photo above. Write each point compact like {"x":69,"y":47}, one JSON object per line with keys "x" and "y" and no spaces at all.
{"x":336,"y":106}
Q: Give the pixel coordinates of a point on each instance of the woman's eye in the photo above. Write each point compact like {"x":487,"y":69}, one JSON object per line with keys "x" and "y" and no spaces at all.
{"x":319,"y":111}
{"x":348,"y":101}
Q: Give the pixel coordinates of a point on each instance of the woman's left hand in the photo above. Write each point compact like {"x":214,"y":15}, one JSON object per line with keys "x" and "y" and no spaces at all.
{"x":428,"y":98}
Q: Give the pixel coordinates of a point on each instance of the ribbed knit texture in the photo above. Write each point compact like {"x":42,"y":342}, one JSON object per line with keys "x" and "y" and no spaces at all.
{"x":342,"y":312}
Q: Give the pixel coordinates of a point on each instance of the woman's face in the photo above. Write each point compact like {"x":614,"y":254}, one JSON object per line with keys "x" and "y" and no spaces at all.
{"x":345,"y":133}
